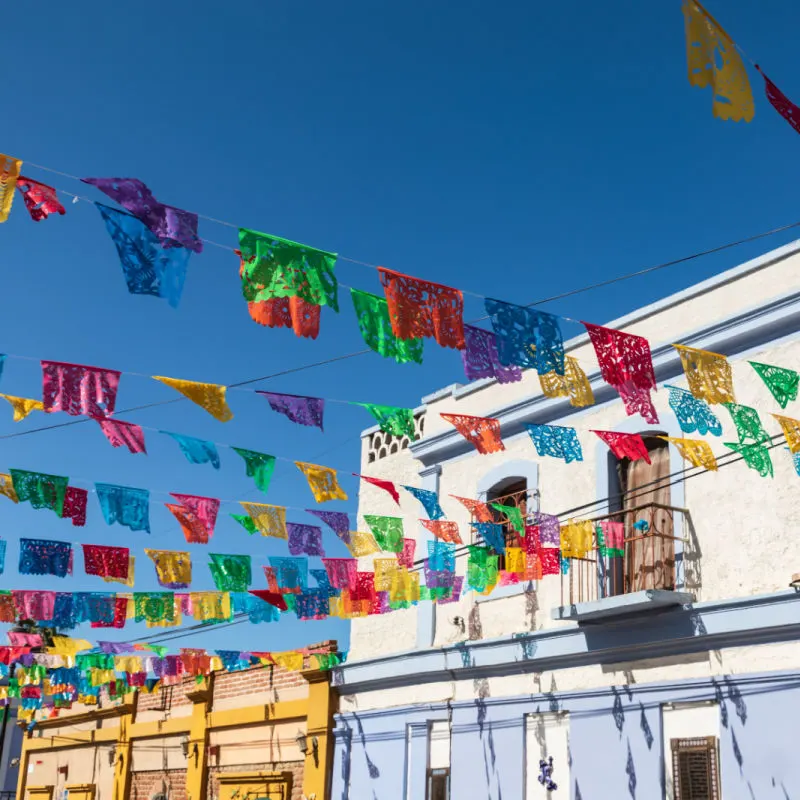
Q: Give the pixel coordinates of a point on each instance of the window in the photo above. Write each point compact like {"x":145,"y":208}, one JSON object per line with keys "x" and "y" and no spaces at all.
{"x":695,"y":768}
{"x":639,"y":497}
{"x":511,"y":492}
{"x":438,"y":784}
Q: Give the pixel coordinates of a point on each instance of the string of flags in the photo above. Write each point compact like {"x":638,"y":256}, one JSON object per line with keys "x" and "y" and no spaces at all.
{"x":54,"y":674}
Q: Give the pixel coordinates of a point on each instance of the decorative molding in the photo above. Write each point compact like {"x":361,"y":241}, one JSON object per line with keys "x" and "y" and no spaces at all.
{"x":695,"y":628}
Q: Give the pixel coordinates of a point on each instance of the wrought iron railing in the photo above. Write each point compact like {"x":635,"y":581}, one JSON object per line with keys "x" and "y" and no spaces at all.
{"x":645,"y":560}
{"x":525,"y":501}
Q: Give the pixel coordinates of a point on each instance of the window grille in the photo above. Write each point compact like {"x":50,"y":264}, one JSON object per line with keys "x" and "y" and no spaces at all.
{"x":695,"y":771}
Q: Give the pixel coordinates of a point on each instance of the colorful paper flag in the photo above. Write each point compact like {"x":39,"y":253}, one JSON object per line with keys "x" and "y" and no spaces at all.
{"x":625,"y":445}
{"x":697,"y":452}
{"x":39,"y":489}
{"x":297,"y":408}
{"x":482,"y":360}
{"x":492,"y":534}
{"x":556,"y":441}
{"x":781,"y":382}
{"x":693,"y":414}
{"x":22,"y":406}
{"x":429,"y":501}
{"x":79,"y":390}
{"x":573,"y":384}
{"x":209,"y":396}
{"x":45,"y":557}
{"x":526,"y":337}
{"x":121,"y":433}
{"x":483,"y":433}
{"x":123,"y":504}
{"x":748,"y":423}
{"x":388,"y":532}
{"x":269,"y":520}
{"x":713,"y":61}
{"x":40,"y":199}
{"x":387,"y":486}
{"x":419,"y":309}
{"x":376,"y":329}
{"x":173,"y":568}
{"x":442,"y":529}
{"x":9,"y":174}
{"x":74,"y":508}
{"x":396,"y":421}
{"x":756,"y":456}
{"x":305,"y":539}
{"x":791,"y":430}
{"x":322,"y":481}
{"x":105,"y":561}
{"x":708,"y":374}
{"x":259,"y":466}
{"x":149,"y":269}
{"x":337,"y":521}
{"x":197,"y":451}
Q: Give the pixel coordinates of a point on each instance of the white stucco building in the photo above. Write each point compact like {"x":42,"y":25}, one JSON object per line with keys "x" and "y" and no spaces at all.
{"x":685,"y":677}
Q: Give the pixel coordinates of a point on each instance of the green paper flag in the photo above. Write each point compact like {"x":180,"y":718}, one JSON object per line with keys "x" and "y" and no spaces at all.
{"x":275,"y":267}
{"x":40,"y":490}
{"x":481,"y":568}
{"x":756,"y":456}
{"x":260,"y":467}
{"x":781,"y":382}
{"x":376,"y":329}
{"x":397,"y":421}
{"x":154,"y":607}
{"x":231,"y":573}
{"x":246,"y":521}
{"x":388,"y":532}
{"x":514,"y":516}
{"x":748,"y":423}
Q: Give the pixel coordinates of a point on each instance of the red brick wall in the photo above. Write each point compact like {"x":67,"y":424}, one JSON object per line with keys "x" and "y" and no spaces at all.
{"x":258,"y":679}
{"x":146,"y":784}
{"x":295,"y":767}
{"x":167,"y":697}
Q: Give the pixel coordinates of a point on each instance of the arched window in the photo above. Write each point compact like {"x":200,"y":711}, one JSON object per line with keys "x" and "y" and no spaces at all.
{"x":511,"y":491}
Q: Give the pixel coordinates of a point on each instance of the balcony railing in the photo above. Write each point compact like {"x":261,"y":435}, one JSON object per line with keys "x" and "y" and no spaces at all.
{"x":644,"y":559}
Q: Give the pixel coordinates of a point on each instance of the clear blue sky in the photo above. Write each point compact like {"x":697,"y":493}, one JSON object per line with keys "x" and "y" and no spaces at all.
{"x":515,"y":149}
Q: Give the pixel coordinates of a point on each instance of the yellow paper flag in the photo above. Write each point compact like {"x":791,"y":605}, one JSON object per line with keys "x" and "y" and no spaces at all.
{"x":573,"y":384}
{"x":65,"y":646}
{"x":791,"y":430}
{"x":322,"y":481}
{"x":128,"y":664}
{"x":708,"y":374}
{"x":697,"y":452}
{"x":173,"y":567}
{"x":515,"y":560}
{"x":7,"y":487}
{"x":405,"y":587}
{"x":209,"y":396}
{"x":576,"y":539}
{"x":713,"y":61}
{"x":362,"y":544}
{"x":291,"y":660}
{"x":211,"y":606}
{"x":9,"y":172}
{"x":385,"y":570}
{"x":270,"y":520}
{"x":22,"y":406}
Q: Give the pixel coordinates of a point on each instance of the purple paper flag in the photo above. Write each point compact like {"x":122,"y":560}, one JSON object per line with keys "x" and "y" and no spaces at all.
{"x":298,"y":408}
{"x":549,"y":529}
{"x":305,"y":539}
{"x":481,"y":360}
{"x":337,"y":521}
{"x":173,"y":226}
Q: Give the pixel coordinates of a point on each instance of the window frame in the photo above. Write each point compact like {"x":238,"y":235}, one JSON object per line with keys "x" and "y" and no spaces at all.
{"x":431,"y":774}
{"x":700,"y":744}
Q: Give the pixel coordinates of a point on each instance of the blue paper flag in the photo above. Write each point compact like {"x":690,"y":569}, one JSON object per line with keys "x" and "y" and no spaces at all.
{"x":429,"y":500}
{"x":556,"y":441}
{"x":197,"y":451}
{"x":64,"y":611}
{"x":233,"y":660}
{"x":526,"y":337}
{"x":44,"y":557}
{"x":290,"y":573}
{"x":492,"y":534}
{"x":312,"y":604}
{"x":3,"y":544}
{"x":256,"y":609}
{"x":693,"y":414}
{"x":441,"y":556}
{"x":123,"y":504}
{"x":95,"y":607}
{"x":148,"y":267}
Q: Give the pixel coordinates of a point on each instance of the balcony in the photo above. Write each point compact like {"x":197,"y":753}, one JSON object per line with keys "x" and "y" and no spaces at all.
{"x":633,"y":565}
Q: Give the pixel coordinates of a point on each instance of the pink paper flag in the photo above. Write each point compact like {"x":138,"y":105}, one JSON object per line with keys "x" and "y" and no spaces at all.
{"x":123,"y":433}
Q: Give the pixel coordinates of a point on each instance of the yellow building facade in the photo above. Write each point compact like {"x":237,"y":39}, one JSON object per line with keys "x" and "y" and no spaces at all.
{"x":261,"y":733}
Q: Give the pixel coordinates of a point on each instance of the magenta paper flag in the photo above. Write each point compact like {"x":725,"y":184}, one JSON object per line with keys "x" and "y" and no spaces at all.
{"x":627,"y":365}
{"x":79,"y":390}
{"x":121,"y":433}
{"x":298,"y":408}
{"x":341,"y":571}
{"x":625,"y":445}
{"x":387,"y":486}
{"x":75,"y":505}
{"x":204,"y":509}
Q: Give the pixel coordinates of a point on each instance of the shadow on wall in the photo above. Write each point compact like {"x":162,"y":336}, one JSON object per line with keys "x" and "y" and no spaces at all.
{"x":692,"y":560}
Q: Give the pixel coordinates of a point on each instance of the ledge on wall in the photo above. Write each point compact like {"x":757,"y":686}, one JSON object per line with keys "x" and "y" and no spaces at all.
{"x":622,"y":605}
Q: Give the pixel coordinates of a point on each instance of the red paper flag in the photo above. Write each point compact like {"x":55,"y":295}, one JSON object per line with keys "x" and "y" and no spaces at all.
{"x":443,"y":529}
{"x":627,"y":365}
{"x":39,"y":198}
{"x":419,"y":309}
{"x":106,"y":562}
{"x":197,"y":516}
{"x":625,"y":445}
{"x":77,"y":389}
{"x":123,"y":433}
{"x":780,"y":102}
{"x":75,"y":506}
{"x":273,"y":598}
{"x":482,"y":432}
{"x":120,"y":615}
{"x":387,"y":486}
{"x":480,"y":511}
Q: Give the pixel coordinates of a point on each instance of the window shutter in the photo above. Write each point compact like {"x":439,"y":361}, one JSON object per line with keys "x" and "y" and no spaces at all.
{"x":695,"y":772}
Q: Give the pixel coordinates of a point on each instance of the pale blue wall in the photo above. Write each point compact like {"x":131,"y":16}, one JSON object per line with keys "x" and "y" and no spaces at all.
{"x":616,"y":746}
